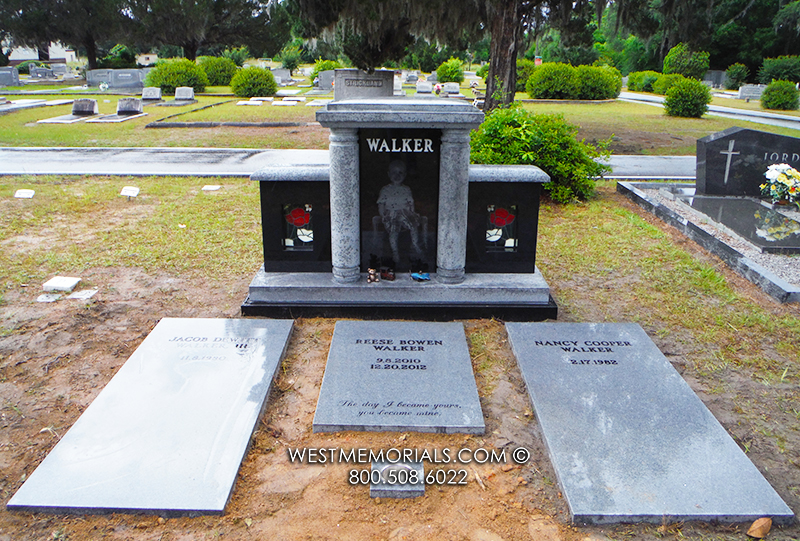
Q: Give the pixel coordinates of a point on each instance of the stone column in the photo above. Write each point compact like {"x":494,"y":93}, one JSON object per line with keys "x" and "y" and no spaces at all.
{"x":345,"y":216}
{"x":451,"y":252}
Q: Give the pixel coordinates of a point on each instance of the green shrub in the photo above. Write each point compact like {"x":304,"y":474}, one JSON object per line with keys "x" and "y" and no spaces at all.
{"x":598,"y":82}
{"x":681,"y":60}
{"x":781,"y":95}
{"x":25,"y":67}
{"x":687,"y":98}
{"x":642,"y":81}
{"x":219,"y":70}
{"x":783,"y":68}
{"x":553,"y":81}
{"x":324,"y":65}
{"x":665,"y":82}
{"x":450,"y":71}
{"x":238,"y":55}
{"x":514,"y":135}
{"x":483,"y":71}
{"x":735,"y":76}
{"x":250,"y":82}
{"x":290,"y":58}
{"x":182,"y":72}
{"x":525,"y":68}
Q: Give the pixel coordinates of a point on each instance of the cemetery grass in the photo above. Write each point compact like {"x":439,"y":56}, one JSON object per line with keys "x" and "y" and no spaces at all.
{"x":606,"y":261}
{"x":633,"y":128}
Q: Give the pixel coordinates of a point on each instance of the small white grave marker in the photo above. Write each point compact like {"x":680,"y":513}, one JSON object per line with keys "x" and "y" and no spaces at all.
{"x":129,"y":191}
{"x":211,"y":187}
{"x":48,"y":297}
{"x":61,"y":283}
{"x":248,"y":102}
{"x":84,"y":294}
{"x":24,"y":194}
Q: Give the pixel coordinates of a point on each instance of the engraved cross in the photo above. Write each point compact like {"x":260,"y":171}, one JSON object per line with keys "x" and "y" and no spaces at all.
{"x":730,"y":154}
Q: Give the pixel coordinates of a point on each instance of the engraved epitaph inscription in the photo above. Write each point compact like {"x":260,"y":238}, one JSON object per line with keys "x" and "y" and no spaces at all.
{"x":399,"y":376}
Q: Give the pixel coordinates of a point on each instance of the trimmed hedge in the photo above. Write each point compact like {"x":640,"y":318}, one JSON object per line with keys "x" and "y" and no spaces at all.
{"x":483,"y":71}
{"x":642,"y":81}
{"x":525,"y":68}
{"x":182,"y":72}
{"x":250,"y":82}
{"x":553,"y":81}
{"x":25,"y":67}
{"x":451,"y":71}
{"x":690,"y":64}
{"x":557,"y":81}
{"x":516,"y":136}
{"x":598,"y":82}
{"x":665,"y":82}
{"x":687,"y":98}
{"x":783,"y":68}
{"x":219,"y":70}
{"x":735,"y":76}
{"x":781,"y":95}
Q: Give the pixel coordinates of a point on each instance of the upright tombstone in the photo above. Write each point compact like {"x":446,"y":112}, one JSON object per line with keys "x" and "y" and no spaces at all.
{"x":9,"y":76}
{"x":424,"y":87}
{"x":451,"y":88}
{"x":82,"y":109}
{"x":733,"y":162}
{"x":751,"y":92}
{"x":41,"y":73}
{"x":399,"y":193}
{"x":151,"y":94}
{"x":326,"y":80}
{"x":95,"y":77}
{"x":127,"y":109}
{"x":282,"y":76}
{"x":59,"y":69}
{"x":127,"y":79}
{"x":354,"y":83}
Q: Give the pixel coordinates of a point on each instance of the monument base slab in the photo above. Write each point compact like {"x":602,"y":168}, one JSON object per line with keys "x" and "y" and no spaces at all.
{"x":511,"y":297}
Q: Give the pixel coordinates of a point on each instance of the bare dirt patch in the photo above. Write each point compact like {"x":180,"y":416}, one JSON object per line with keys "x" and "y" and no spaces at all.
{"x":55,"y":359}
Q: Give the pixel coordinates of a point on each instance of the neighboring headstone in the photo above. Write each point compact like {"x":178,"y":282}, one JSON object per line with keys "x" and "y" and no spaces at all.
{"x":451,"y":88}
{"x":354,"y":83}
{"x":628,"y":439}
{"x":95,"y":77}
{"x":288,"y":92}
{"x":9,"y":76}
{"x":211,"y":187}
{"x":127,"y":79}
{"x":129,"y":191}
{"x":83,"y":295}
{"x":169,"y":431}
{"x":282,"y":73}
{"x":48,"y":297}
{"x":733,"y":161}
{"x":326,"y":80}
{"x":412,"y":79}
{"x":424,"y":87}
{"x":249,"y":102}
{"x":284,"y":103}
{"x":85,"y":107}
{"x":751,"y":92}
{"x":59,"y":69}
{"x":397,"y":376}
{"x":398,"y":86}
{"x":40,"y":73}
{"x":151,"y":94}
{"x":61,"y":283}
{"x":184,"y":93}
{"x":715,"y":78}
{"x":294,"y":98}
{"x":397,"y":480}
{"x":432,"y":78}
{"x":24,"y":194}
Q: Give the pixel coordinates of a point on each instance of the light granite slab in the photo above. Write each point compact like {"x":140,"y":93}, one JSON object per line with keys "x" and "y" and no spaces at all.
{"x":628,"y":438}
{"x":398,"y":376}
{"x":169,"y":431}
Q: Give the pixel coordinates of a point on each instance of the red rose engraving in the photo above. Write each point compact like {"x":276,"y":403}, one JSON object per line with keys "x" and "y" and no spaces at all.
{"x":298,"y":217}
{"x":501,"y":217}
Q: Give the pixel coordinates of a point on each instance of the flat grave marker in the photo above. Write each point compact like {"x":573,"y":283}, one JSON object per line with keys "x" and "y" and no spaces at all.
{"x":129,"y":191}
{"x":398,"y":376}
{"x":397,"y":480}
{"x":61,"y":283}
{"x":24,"y":193}
{"x":169,"y":431}
{"x":628,"y":438}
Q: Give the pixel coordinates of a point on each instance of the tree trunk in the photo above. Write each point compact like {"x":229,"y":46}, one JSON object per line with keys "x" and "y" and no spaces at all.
{"x":501,"y":82}
{"x":44,"y":52}
{"x":91,"y":52}
{"x":190,"y":50}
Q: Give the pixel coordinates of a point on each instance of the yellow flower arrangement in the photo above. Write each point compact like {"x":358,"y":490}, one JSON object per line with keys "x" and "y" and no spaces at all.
{"x":783,"y":183}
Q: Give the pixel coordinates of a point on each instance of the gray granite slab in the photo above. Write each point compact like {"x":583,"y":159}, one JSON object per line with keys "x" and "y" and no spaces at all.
{"x":169,"y":431}
{"x":629,"y":440}
{"x":397,"y":376}
{"x":394,"y":480}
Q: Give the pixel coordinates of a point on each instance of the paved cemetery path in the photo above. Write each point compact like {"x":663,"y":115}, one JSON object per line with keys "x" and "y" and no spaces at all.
{"x":760,"y":117}
{"x":236,"y":162}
